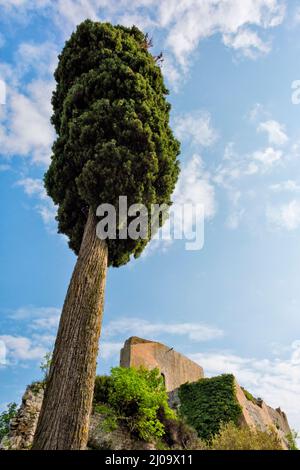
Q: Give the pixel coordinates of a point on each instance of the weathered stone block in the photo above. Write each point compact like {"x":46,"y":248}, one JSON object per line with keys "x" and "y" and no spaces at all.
{"x":174,"y":367}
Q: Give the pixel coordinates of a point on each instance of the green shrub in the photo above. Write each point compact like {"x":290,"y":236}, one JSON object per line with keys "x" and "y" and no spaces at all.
{"x":249,"y":396}
{"x":231,"y":437}
{"x":45,"y":365}
{"x":103,"y":384}
{"x":110,"y":422}
{"x":209,"y":403}
{"x":5,"y":418}
{"x":137,"y":395}
{"x":291,"y":439}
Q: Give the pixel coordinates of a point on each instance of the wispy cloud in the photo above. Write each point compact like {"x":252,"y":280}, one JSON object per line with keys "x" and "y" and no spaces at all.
{"x":284,"y":216}
{"x":21,"y":348}
{"x":195,"y":186}
{"x":196,"y":189}
{"x":133,"y":326}
{"x":184,"y":23}
{"x":108,"y":349}
{"x":290,"y":186}
{"x":26,"y":131}
{"x":196,"y":127}
{"x":248,"y":42}
{"x":275,"y":131}
{"x":43,"y":318}
{"x":34,"y":187}
{"x":267,"y":158}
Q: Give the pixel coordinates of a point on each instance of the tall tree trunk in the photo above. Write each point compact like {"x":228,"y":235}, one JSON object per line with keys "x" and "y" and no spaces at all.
{"x":65,"y":414}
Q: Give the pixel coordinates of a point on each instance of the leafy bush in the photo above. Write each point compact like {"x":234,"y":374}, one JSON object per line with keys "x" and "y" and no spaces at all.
{"x":291,"y":439}
{"x":136,"y":396}
{"x":231,"y":437}
{"x":209,"y":403}
{"x":5,"y":418}
{"x":249,"y":396}
{"x":103,"y":384}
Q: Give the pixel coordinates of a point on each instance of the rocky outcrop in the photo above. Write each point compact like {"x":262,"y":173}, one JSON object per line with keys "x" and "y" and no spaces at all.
{"x":118,"y":439}
{"x":257,"y":414}
{"x":174,"y":367}
{"x":23,"y":425}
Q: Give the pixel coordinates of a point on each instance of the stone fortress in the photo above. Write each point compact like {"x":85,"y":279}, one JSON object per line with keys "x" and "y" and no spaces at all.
{"x":176,"y":370}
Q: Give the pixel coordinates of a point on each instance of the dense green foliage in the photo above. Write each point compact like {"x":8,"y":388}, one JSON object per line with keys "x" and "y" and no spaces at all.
{"x":103,"y":384}
{"x":209,"y":403}
{"x":112,"y":121}
{"x":137,"y":397}
{"x":231,"y":437}
{"x":5,"y":418}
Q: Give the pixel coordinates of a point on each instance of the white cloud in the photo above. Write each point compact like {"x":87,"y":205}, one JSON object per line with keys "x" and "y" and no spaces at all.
{"x":191,"y":21}
{"x":2,"y":353}
{"x":20,"y":348}
{"x":27,"y":131}
{"x":268,"y":157}
{"x":236,"y":214}
{"x":41,"y":58}
{"x":196,"y":127}
{"x":239,"y":175}
{"x":285,"y":216}
{"x":194,"y":187}
{"x":132,"y":326}
{"x":196,"y":194}
{"x":276,"y":380}
{"x":41,"y":323}
{"x":288,"y":186}
{"x":4,"y":167}
{"x":184,"y":23}
{"x":248,"y":42}
{"x":45,"y":207}
{"x":109,"y":349}
{"x":41,"y":318}
{"x":275,"y":131}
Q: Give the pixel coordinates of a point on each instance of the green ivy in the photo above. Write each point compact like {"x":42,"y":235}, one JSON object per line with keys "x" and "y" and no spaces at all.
{"x":5,"y":418}
{"x":209,"y":403}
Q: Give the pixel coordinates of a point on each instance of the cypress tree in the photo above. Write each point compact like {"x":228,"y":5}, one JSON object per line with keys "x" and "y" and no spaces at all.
{"x":111,"y":117}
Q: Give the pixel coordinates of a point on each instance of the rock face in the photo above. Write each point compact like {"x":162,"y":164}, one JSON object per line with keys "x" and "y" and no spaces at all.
{"x":262,"y":416}
{"x":119,"y":439}
{"x":23,"y":425}
{"x":174,"y":367}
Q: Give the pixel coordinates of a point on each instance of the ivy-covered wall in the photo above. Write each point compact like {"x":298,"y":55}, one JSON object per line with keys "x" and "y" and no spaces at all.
{"x":208,"y":403}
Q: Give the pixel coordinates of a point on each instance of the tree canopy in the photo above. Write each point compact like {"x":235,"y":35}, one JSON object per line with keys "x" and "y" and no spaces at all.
{"x":113,"y":135}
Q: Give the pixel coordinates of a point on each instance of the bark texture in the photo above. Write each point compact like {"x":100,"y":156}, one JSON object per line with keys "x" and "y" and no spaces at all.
{"x":65,"y":414}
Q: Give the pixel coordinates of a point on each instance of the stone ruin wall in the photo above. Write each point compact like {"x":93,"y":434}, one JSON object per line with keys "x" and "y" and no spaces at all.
{"x":174,"y":367}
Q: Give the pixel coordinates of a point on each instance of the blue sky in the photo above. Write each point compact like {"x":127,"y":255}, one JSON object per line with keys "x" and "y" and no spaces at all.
{"x":234,"y":305}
